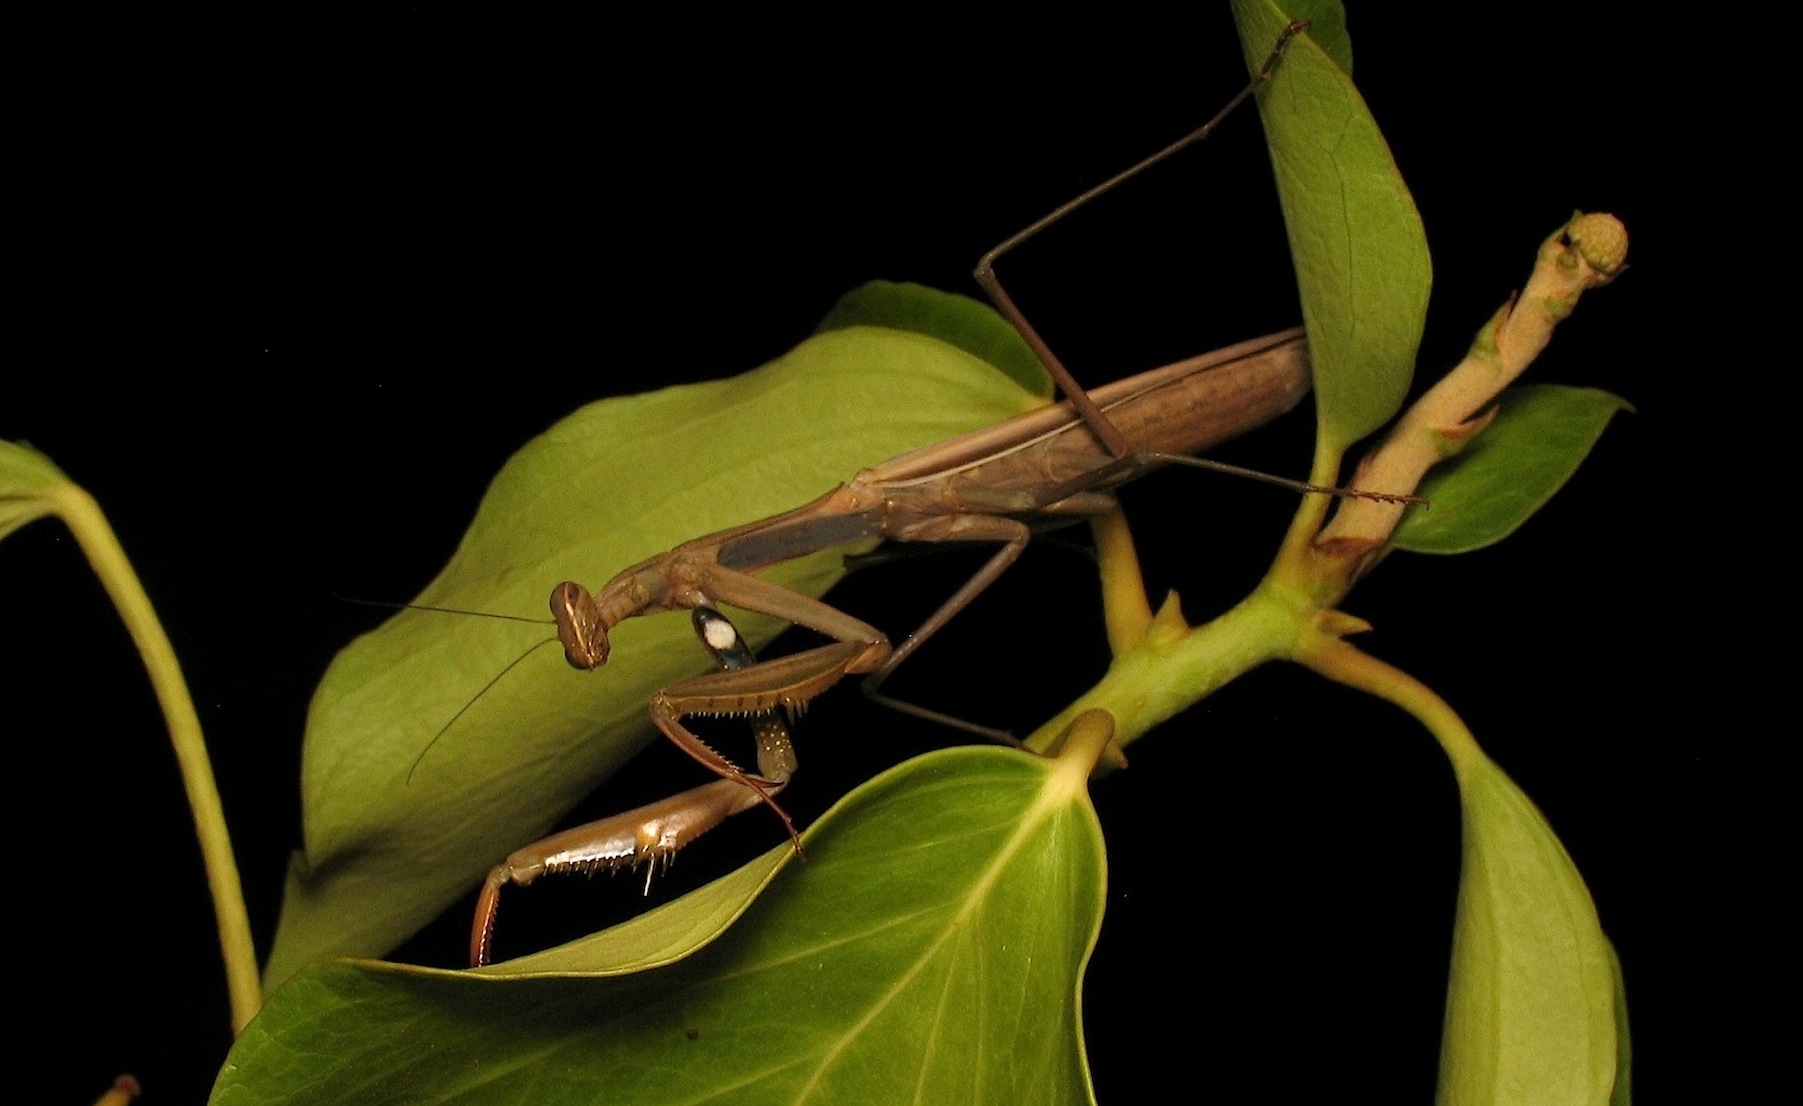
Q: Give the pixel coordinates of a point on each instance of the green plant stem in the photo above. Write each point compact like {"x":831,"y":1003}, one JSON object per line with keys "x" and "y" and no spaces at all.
{"x":1126,"y":614}
{"x":1172,"y":666}
{"x":85,"y":520}
{"x":1162,"y":666}
{"x":1347,"y":664}
{"x":1297,"y":568}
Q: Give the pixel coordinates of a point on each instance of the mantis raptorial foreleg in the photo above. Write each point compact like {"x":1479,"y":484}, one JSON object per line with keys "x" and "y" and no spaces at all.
{"x":652,"y":835}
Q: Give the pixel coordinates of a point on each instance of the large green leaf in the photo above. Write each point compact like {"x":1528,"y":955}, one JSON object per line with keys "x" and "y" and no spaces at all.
{"x":929,"y":950}
{"x":386,"y":850}
{"x":1541,"y":433}
{"x":972,"y":326}
{"x":1533,"y":1012}
{"x":1360,"y":250}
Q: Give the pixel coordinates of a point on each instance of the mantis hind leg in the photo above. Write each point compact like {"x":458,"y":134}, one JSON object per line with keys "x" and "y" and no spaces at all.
{"x":1098,"y":422}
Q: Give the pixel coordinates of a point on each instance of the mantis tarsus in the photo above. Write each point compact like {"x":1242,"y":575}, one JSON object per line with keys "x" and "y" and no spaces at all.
{"x":1046,"y":468}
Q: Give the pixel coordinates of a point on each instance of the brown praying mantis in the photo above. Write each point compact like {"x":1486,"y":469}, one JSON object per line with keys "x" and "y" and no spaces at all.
{"x":998,"y":484}
{"x":1046,"y":468}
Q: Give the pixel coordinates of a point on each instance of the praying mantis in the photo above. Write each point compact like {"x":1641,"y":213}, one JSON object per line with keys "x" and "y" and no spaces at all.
{"x":998,"y":485}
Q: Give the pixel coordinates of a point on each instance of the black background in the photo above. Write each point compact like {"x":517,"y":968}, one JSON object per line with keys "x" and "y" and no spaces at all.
{"x":295,"y":285}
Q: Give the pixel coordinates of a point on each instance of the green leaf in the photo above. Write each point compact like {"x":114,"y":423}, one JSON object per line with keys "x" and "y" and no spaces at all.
{"x":930,"y":949}
{"x":1541,"y":434}
{"x":971,"y":325}
{"x":29,"y":483}
{"x":1359,"y":247}
{"x":1533,"y":1010}
{"x":614,"y":483}
{"x":1624,"y":1050}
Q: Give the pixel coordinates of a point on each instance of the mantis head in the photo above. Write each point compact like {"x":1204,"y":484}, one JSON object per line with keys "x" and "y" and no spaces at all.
{"x":579,"y":626}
